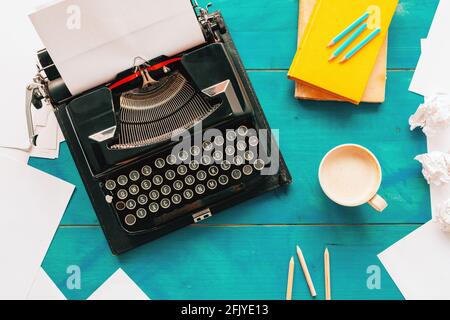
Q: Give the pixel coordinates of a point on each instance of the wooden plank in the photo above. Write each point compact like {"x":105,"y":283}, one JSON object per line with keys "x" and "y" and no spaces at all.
{"x":265,"y":31}
{"x":307,"y":131}
{"x":220,"y":262}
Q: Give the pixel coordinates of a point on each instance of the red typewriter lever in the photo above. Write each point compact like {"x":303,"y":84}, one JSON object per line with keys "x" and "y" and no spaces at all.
{"x":138,"y":73}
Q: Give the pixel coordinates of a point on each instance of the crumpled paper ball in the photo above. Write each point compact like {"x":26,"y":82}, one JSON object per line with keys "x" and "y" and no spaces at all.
{"x":436,"y":167}
{"x":432,"y":115}
{"x":443,"y":216}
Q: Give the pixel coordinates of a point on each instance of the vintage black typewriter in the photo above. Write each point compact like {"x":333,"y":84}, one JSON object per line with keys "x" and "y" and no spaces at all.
{"x":170,"y":142}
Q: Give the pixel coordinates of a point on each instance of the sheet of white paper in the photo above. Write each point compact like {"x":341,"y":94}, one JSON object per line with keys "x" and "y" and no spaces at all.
{"x":119,"y":287}
{"x":48,"y":136}
{"x":60,"y":135}
{"x":419,"y":264}
{"x":433,"y":69}
{"x":33,"y":204}
{"x":40,"y":116}
{"x":15,"y":154}
{"x":432,"y":74}
{"x":44,"y":288}
{"x":439,"y":142}
{"x":18,"y":64}
{"x":92,"y":41}
{"x":441,"y":24}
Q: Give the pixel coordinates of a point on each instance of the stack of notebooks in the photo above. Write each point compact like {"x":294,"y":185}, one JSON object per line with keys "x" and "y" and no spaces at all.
{"x":362,"y":78}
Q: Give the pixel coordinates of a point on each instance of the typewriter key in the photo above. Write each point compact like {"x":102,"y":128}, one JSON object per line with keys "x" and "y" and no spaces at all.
{"x":141,"y":213}
{"x":219,"y":141}
{"x":157,"y":180}
{"x":249,"y":155}
{"x":170,"y":175}
{"x":160,"y":163}
{"x":206,"y":160}
{"x":154,"y":195}
{"x":178,"y":185}
{"x":194,"y":165}
{"x":242,"y":131}
{"x":253,"y":141}
{"x":223,"y":180}
{"x":146,"y":185}
{"x":218,"y":156}
{"x":110,"y":185}
{"x":201,"y":175}
{"x":231,"y":135}
{"x":153,"y":207}
{"x":165,"y":203}
{"x":120,"y":206}
{"x":130,"y":220}
{"x":238,"y":160}
{"x":166,"y":190}
{"x":134,"y":175}
{"x":134,"y":190}
{"x":122,"y":194}
{"x":241,"y":145}
{"x":188,"y":194}
{"x":183,"y":156}
{"x":200,"y":189}
{"x":146,"y":171}
{"x":182,"y":170}
{"x":189,"y":180}
{"x":131,"y":204}
{"x":142,"y":199}
{"x":212,"y":184}
{"x":236,"y":174}
{"x":213,"y":171}
{"x":248,"y":170}
{"x":230,"y":150}
{"x":226,"y":165}
{"x":171,"y":159}
{"x":176,"y":199}
{"x":208,"y":146}
{"x":259,"y":164}
{"x":122,"y":180}
{"x":195,"y":151}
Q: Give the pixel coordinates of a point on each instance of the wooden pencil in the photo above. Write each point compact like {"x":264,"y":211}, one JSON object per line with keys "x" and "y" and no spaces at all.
{"x":302,"y":260}
{"x":290,"y":281}
{"x":327,"y":274}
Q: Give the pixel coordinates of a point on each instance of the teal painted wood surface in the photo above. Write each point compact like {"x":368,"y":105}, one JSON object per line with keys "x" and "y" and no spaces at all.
{"x":307,"y":131}
{"x":243,"y":252}
{"x":265,"y":31}
{"x":241,"y":262}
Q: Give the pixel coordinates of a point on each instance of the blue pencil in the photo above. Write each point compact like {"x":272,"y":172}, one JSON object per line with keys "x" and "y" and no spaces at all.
{"x":348,"y":41}
{"x":360,"y":45}
{"x":348,"y":29}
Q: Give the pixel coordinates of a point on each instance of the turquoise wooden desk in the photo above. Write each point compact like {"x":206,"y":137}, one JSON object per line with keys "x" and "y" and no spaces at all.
{"x":244,"y":253}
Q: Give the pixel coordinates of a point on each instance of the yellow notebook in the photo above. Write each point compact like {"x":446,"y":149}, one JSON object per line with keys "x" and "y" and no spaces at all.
{"x":347,"y":80}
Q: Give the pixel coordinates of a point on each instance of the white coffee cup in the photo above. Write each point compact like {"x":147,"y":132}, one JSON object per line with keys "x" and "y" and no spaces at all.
{"x":350,"y":175}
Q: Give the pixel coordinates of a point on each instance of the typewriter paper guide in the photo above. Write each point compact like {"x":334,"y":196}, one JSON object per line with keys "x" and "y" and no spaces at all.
{"x":90,"y":42}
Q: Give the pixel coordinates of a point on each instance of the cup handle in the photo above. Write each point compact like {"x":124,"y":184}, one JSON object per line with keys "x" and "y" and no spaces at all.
{"x":378,"y":203}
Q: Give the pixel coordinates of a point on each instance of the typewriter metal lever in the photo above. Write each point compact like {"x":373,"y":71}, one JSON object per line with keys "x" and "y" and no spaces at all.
{"x":35,"y":95}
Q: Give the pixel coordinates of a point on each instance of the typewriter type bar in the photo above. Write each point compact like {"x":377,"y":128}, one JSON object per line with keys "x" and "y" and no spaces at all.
{"x":142,"y":143}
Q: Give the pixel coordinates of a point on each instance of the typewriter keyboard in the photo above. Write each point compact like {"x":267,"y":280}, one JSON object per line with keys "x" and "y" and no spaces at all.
{"x":167,"y":182}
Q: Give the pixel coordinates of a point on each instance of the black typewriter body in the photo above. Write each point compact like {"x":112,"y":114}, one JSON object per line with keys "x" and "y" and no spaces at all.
{"x":174,"y":152}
